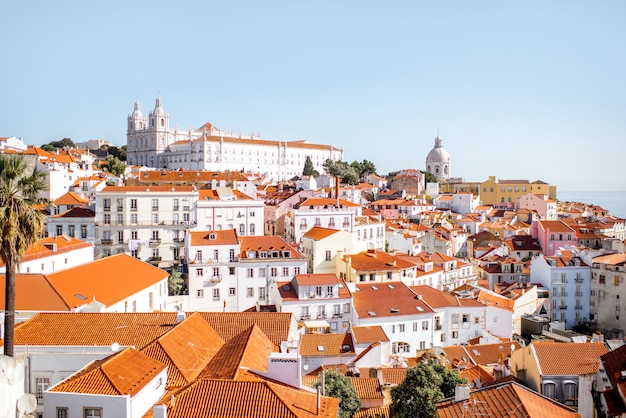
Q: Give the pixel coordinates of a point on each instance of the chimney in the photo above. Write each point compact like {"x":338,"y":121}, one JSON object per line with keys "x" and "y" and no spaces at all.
{"x":159,"y":411}
{"x":180,"y":316}
{"x":337,"y":183}
{"x":461,"y":393}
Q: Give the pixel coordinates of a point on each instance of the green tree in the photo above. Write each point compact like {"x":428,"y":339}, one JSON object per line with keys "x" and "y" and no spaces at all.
{"x":341,"y":169}
{"x":113,"y":165}
{"x":47,"y":147}
{"x":368,"y":168}
{"x":338,"y":386}
{"x":429,"y":177}
{"x":309,"y":169}
{"x":424,"y":386}
{"x":175,"y":282}
{"x":21,"y":225}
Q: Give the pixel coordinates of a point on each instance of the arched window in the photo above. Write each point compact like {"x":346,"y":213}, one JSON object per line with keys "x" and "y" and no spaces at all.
{"x":549,"y":389}
{"x":162,"y":122}
{"x":400,"y":347}
{"x":570,"y":393}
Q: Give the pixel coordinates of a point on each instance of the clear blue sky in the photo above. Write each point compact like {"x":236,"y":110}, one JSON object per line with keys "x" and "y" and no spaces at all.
{"x":520,"y":90}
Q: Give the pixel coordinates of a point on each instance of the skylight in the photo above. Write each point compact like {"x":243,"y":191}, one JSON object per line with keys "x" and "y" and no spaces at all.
{"x":321,"y":348}
{"x":419,"y":308}
{"x":371,"y":313}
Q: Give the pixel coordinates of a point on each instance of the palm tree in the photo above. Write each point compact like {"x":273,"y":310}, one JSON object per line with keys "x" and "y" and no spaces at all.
{"x":21,"y":225}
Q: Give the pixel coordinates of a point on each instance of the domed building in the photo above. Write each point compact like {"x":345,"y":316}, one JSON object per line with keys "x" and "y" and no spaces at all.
{"x":438,"y":160}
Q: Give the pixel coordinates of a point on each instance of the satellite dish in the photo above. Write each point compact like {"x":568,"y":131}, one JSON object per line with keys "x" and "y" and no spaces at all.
{"x":115,"y":347}
{"x":26,"y":403}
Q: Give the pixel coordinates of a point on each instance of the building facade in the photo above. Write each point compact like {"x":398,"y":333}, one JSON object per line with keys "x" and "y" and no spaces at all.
{"x":151,"y":142}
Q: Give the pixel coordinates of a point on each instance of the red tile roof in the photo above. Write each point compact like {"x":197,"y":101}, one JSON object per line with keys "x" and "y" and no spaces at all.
{"x":369,"y":334}
{"x":508,"y":400}
{"x":223,"y":237}
{"x":112,"y":376}
{"x":275,"y":325}
{"x":324,"y":345}
{"x":583,"y":358}
{"x":386,"y":300}
{"x":108,"y":280}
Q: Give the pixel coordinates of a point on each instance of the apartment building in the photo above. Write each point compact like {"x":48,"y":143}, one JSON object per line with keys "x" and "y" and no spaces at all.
{"x":146,"y":222}
{"x":228,"y":273}
{"x":608,"y":294}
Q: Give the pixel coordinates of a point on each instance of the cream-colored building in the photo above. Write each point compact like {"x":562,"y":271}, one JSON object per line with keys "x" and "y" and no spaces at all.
{"x":506,"y":192}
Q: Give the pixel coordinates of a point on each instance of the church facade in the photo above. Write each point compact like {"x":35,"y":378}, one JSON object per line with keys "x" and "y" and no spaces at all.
{"x":152,"y":143}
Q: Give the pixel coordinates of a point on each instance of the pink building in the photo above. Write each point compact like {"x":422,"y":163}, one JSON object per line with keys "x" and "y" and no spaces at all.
{"x":552,"y":235}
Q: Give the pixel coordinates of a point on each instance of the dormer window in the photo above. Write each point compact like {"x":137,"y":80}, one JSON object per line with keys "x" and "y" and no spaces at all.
{"x":262,"y":254}
{"x":212,"y":236}
{"x":287,"y":254}
{"x":251,"y":254}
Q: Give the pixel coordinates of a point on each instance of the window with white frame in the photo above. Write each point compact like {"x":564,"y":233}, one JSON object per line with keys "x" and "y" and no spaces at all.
{"x":92,"y":413}
{"x":249,"y":292}
{"x":549,"y":389}
{"x":41,"y":385}
{"x":424,"y":325}
{"x":61,"y":412}
{"x":200,"y":293}
{"x":231,"y":291}
{"x":250,"y":273}
{"x":216,"y":293}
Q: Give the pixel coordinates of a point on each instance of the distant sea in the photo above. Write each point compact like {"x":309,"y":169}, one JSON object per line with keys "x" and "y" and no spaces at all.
{"x":614,"y":202}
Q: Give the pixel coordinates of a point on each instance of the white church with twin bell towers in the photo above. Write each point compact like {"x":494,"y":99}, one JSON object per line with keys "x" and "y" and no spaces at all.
{"x":152,"y":143}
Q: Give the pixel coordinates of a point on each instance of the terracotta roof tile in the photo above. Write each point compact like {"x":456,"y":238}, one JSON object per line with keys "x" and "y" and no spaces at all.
{"x":33,"y":292}
{"x":124,"y":373}
{"x":223,"y":237}
{"x":187,"y":348}
{"x":317,"y":233}
{"x":50,"y":246}
{"x":393,"y":376}
{"x":267,"y":243}
{"x":380,"y":412}
{"x":584,"y":358}
{"x":249,"y":350}
{"x":367,"y":387}
{"x":510,"y":400}
{"x":387,"y":299}
{"x":262,"y":399}
{"x":275,"y":325}
{"x":108,"y":280}
{"x":94,"y":329}
{"x":324,"y":345}
{"x":369,"y":334}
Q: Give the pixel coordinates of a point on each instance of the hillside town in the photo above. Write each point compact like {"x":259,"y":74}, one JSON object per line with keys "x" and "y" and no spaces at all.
{"x":208,"y":273}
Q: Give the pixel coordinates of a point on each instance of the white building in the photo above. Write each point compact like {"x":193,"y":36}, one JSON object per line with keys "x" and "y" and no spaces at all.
{"x":146,"y":222}
{"x":464,"y":202}
{"x":569,"y":280}
{"x":541,"y":203}
{"x":231,"y":274}
{"x":53,"y":254}
{"x":151,"y":142}
{"x":405,"y":319}
{"x":12,"y":143}
{"x":225,"y":208}
{"x":324,"y":212}
{"x":322,"y":302}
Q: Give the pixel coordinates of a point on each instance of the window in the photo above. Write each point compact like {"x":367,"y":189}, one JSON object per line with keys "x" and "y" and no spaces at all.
{"x":476,"y":320}
{"x":133,"y":218}
{"x":252,"y":229}
{"x":175,"y":204}
{"x":155,"y":204}
{"x":466,"y":318}
{"x":200,"y":293}
{"x":285,"y":271}
{"x":107,"y":219}
{"x":422,"y":345}
{"x":261,"y":293}
{"x":231,"y":271}
{"x":455,"y":334}
{"x":401,"y":328}
{"x":71,"y":231}
{"x":250,"y":274}
{"x":41,"y":384}
{"x":328,"y":255}
{"x":106,"y":203}
{"x":199,"y":272}
{"x":274,"y":272}
{"x":133,"y":204}
{"x":455,"y":320}
{"x":92,"y":413}
{"x":62,"y":412}
{"x":83,"y":231}
{"x":296,"y":270}
{"x":569,"y":392}
{"x":216,"y":293}
{"x":372,"y":277}
{"x":60,"y":229}
{"x":549,"y":390}
{"x":424,"y":325}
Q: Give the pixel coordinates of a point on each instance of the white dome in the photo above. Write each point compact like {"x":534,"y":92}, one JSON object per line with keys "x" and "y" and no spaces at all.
{"x":438,"y":154}
{"x":137,"y":112}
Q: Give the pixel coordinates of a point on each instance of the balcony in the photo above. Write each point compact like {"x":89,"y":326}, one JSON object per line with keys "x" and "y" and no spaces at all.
{"x":154,"y":260}
{"x":562,"y":307}
{"x":155,"y":240}
{"x":321,"y":316}
{"x":579,"y":294}
{"x":216,"y":279}
{"x":337,"y":315}
{"x":120,"y":208}
{"x":346,"y":224}
{"x":107,"y":209}
{"x":305,"y":317}
{"x":106,"y":241}
{"x":579,"y":280}
{"x":331,"y":225}
{"x":437,"y":327}
{"x":578,"y":307}
{"x":303,"y":226}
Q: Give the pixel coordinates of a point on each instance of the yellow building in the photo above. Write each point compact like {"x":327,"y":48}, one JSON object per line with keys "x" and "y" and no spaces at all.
{"x":506,"y":192}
